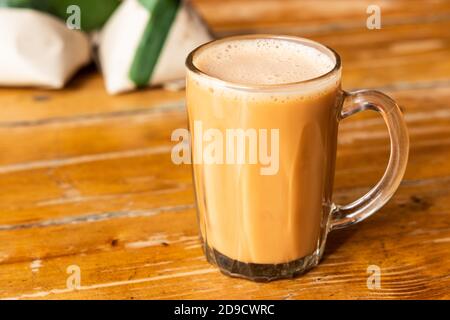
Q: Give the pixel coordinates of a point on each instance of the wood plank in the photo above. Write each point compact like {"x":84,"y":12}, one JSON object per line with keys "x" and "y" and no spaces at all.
{"x":106,"y":133}
{"x":84,"y":99}
{"x":250,"y":16}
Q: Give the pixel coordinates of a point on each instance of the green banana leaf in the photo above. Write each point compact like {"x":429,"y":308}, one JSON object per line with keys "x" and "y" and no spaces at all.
{"x":31,"y":4}
{"x":94,"y":13}
{"x":163,"y":13}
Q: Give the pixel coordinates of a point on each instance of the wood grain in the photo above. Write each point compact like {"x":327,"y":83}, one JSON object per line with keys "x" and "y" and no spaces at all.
{"x":87,"y":179}
{"x":314,"y":16}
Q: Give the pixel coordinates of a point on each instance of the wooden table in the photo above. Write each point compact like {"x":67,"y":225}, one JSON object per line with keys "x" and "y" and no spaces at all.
{"x":87,"y":181}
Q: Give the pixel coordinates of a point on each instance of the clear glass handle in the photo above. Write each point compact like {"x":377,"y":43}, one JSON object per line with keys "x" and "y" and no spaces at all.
{"x":354,"y":102}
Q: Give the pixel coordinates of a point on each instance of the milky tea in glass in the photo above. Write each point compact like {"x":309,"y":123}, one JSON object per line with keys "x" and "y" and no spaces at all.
{"x":263,"y":116}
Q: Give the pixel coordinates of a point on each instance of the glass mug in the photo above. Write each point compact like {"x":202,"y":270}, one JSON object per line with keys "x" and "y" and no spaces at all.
{"x":264,"y":205}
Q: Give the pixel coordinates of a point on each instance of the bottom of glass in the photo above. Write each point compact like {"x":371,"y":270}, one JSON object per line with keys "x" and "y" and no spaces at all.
{"x":261,"y":272}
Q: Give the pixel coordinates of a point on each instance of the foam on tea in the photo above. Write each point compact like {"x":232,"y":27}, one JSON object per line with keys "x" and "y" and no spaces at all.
{"x":263,"y":62}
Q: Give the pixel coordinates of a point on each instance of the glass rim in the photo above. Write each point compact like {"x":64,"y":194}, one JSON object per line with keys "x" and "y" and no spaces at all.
{"x":264,"y":87}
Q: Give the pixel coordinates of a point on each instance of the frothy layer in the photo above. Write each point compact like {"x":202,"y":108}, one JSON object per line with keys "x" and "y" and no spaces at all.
{"x":263,"y":61}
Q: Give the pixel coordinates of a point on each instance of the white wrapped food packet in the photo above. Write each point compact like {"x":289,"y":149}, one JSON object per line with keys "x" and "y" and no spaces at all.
{"x":128,"y":48}
{"x":37,"y":49}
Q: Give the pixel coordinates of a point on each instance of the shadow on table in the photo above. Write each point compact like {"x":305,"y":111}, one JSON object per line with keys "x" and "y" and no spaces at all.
{"x":337,"y":239}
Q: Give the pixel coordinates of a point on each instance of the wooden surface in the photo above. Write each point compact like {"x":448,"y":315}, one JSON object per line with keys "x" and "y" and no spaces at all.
{"x":87,"y":179}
